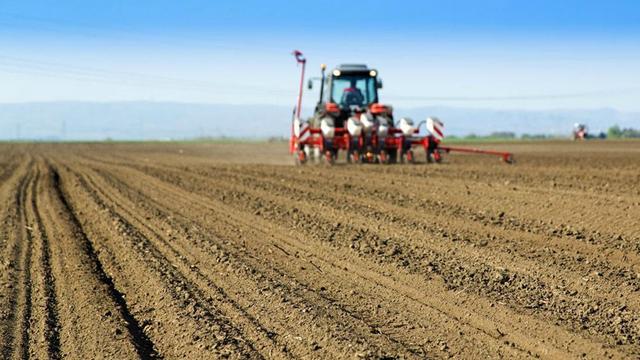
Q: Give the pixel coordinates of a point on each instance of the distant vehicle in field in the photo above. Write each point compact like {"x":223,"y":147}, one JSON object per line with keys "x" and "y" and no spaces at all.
{"x":580,"y":132}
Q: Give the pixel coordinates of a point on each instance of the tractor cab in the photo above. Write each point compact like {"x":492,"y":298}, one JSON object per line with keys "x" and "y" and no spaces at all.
{"x":348,"y":89}
{"x":353,"y":86}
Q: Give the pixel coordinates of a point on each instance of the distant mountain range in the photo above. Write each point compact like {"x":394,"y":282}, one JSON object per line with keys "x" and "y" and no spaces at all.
{"x":166,"y":120}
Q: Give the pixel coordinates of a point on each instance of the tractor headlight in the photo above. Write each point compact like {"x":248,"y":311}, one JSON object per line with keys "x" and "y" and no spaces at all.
{"x":336,"y":72}
{"x":373,"y":73}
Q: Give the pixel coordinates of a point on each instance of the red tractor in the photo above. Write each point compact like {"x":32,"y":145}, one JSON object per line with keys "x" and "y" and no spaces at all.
{"x":349,"y":117}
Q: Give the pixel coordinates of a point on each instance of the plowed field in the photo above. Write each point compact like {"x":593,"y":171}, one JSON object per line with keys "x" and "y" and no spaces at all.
{"x":207,"y":251}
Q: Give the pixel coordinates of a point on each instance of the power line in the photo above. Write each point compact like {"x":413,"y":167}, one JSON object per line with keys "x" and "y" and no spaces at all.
{"x":559,"y":96}
{"x":15,"y":65}
{"x":82,"y":73}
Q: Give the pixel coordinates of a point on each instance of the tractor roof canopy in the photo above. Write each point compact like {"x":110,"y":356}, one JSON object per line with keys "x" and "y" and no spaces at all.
{"x":353,"y":67}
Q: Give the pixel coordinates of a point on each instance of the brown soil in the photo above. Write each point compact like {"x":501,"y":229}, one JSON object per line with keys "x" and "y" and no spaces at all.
{"x":209,"y":251}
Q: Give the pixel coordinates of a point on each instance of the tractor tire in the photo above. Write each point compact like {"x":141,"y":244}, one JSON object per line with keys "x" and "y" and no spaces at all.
{"x":437,"y":156}
{"x":433,"y":157}
{"x":300,"y":158}
{"x":329,"y":157}
{"x":383,"y":157}
{"x":393,"y":156}
{"x":407,"y":157}
{"x":432,"y":151}
{"x":353,"y":157}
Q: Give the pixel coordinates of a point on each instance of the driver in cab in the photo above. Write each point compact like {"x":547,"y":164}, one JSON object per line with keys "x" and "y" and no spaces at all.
{"x":352,"y":95}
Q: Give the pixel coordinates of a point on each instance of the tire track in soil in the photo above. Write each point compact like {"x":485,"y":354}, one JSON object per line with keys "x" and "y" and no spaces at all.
{"x":454,"y":274}
{"x":329,"y":300}
{"x":51,"y":331}
{"x":12,"y":190}
{"x":84,"y":320}
{"x":158,"y":210}
{"x":26,"y":237}
{"x":144,"y":347}
{"x":174,"y":278}
{"x":119,"y":201}
{"x":182,"y":184}
{"x":179,"y":255}
{"x":16,"y":335}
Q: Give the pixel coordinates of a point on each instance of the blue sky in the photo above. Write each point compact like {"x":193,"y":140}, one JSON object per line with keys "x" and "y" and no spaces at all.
{"x":497,"y":54}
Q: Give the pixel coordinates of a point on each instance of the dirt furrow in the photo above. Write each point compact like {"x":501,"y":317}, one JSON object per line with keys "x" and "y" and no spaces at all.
{"x":483,"y":279}
{"x":240,"y":263}
{"x":17,"y":279}
{"x":517,"y":199}
{"x":93,"y":320}
{"x":10,"y":195}
{"x":201,"y":326}
{"x":427,"y":198}
{"x":196,"y":251}
{"x":582,"y":256}
{"x":26,"y":237}
{"x":45,"y":326}
{"x":182,"y":183}
{"x":571,"y":262}
{"x":143,"y":346}
{"x":292,"y":342}
{"x":8,"y":170}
